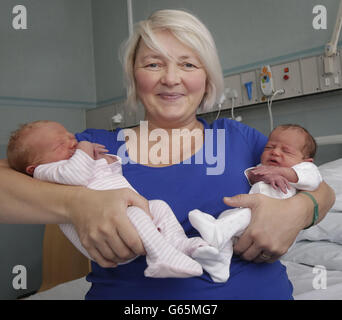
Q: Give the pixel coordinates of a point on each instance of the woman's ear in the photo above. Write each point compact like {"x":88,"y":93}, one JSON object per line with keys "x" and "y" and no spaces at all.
{"x":30,"y":169}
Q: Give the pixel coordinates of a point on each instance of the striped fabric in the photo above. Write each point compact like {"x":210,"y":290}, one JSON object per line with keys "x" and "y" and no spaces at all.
{"x":167,"y":246}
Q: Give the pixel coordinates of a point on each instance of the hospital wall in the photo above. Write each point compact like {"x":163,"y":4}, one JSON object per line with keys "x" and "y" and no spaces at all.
{"x":46,"y":72}
{"x":65,"y":67}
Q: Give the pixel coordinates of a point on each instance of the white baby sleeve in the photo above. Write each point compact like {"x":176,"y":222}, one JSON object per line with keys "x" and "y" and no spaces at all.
{"x":309,"y":177}
{"x":77,"y":170}
{"x":246,"y":173}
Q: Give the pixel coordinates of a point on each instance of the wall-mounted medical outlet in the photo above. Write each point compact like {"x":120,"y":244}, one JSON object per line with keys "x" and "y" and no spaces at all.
{"x":250,"y":90}
{"x":330,"y":80}
{"x":234,"y":83}
{"x":129,"y":116}
{"x":309,"y":75}
{"x":117,"y":118}
{"x":287,"y":76}
{"x":266,"y":81}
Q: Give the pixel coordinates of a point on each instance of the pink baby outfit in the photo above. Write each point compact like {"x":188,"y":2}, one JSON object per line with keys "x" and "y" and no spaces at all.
{"x":168,"y":248}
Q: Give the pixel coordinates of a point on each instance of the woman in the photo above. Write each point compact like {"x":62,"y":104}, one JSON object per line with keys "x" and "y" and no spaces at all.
{"x":172,"y":69}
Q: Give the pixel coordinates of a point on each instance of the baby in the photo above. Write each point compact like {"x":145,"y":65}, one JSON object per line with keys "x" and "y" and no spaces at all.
{"x":47,"y":151}
{"x":286,"y":166}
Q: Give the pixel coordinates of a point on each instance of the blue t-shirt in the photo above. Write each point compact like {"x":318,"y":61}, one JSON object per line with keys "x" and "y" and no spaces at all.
{"x":186,"y":186}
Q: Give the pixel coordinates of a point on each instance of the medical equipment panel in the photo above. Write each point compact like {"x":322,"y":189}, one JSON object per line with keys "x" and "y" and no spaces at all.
{"x":234,"y":83}
{"x":295,"y":78}
{"x":310,"y":78}
{"x":287,"y":77}
{"x":332,"y":79}
{"x":251,"y":90}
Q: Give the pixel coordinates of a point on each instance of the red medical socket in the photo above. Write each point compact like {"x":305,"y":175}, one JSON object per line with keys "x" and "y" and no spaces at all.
{"x":286,"y":77}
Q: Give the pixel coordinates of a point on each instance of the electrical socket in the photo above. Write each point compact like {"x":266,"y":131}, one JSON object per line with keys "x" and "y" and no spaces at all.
{"x":231,"y":93}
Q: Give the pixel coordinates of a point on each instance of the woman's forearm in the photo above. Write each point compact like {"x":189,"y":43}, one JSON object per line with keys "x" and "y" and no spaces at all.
{"x":27,"y":200}
{"x":325,"y":197}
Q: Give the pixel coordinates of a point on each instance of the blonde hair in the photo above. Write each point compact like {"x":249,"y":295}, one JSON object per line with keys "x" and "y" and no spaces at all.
{"x":190,"y":31}
{"x":19,"y":153}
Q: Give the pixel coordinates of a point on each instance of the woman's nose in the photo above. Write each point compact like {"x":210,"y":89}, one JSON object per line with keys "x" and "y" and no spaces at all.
{"x":170,"y":76}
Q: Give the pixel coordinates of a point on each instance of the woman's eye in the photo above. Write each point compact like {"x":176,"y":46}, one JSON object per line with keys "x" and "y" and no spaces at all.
{"x":188,"y":65}
{"x":153,"y":65}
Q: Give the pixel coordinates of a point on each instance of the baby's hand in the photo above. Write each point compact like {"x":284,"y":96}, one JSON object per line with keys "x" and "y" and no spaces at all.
{"x":271,"y":175}
{"x":266,"y":170}
{"x":87,"y":147}
{"x":108,"y":158}
{"x":99,"y":151}
{"x":93,"y":150}
{"x":278,"y":182}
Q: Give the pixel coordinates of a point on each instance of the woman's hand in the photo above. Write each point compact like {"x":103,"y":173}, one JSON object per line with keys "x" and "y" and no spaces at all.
{"x":274,"y":226}
{"x":102,"y":224}
{"x":276,"y":223}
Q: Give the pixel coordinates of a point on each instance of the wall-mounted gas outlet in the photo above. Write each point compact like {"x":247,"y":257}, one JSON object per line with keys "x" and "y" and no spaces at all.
{"x":266,"y":81}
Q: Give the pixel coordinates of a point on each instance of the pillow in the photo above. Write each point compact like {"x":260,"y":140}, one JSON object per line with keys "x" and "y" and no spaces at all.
{"x":332,"y":175}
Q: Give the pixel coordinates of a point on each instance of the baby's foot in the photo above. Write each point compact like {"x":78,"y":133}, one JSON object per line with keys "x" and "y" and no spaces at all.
{"x":205,"y":224}
{"x":172,"y":264}
{"x":215,"y":262}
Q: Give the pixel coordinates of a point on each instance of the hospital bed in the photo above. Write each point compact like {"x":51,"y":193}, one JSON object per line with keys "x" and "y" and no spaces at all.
{"x":314,"y":263}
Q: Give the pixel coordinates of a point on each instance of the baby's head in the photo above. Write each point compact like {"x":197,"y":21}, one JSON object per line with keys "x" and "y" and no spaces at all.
{"x":288,"y":145}
{"x":37,"y":143}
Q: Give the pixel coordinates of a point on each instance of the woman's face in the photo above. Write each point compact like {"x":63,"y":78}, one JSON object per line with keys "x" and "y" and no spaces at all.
{"x":170,"y":89}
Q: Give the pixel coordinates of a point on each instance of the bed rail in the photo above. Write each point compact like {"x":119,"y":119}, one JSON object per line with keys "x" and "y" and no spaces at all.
{"x":325,"y":140}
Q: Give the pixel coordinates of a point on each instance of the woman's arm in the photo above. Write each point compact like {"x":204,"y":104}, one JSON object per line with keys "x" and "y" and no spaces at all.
{"x":99,"y":216}
{"x":276,"y":223}
{"x":26,"y":200}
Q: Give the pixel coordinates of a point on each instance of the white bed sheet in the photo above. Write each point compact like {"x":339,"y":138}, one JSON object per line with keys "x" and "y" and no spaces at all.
{"x":302,"y":279}
{"x":72,"y":290}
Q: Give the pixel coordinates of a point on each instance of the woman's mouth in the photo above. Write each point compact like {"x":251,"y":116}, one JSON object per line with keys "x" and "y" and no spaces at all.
{"x":170,"y":96}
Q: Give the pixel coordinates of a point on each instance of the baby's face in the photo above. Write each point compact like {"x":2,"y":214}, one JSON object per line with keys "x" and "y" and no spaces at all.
{"x":284,"y":148}
{"x":52,"y":142}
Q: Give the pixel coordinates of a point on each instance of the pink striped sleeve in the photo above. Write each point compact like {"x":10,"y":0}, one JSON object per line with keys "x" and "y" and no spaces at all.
{"x":78,"y":170}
